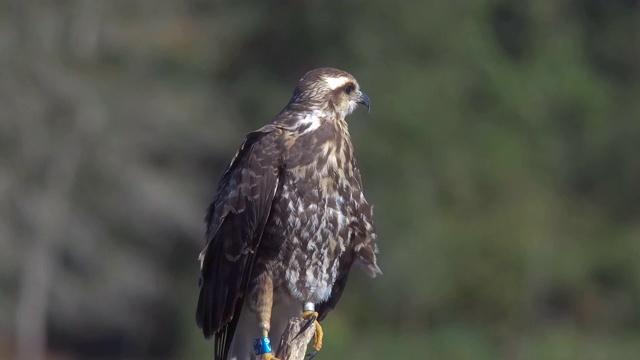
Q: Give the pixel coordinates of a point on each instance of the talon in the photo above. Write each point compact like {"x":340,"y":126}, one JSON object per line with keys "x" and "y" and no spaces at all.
{"x":312,"y":355}
{"x":312,"y":316}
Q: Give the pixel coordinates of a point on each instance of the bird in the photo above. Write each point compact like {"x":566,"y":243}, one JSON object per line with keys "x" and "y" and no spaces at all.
{"x":287,"y":221}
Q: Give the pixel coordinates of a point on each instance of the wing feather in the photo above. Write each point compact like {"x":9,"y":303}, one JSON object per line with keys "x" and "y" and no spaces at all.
{"x":235,"y":222}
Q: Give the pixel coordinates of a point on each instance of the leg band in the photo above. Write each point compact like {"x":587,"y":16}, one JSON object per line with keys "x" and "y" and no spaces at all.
{"x":262,"y":346}
{"x":309,"y":306}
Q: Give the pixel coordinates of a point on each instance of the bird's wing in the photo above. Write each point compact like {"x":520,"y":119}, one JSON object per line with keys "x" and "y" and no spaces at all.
{"x":235,"y":222}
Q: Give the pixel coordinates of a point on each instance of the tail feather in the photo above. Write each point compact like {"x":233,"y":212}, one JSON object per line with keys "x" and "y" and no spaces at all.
{"x":223,"y":285}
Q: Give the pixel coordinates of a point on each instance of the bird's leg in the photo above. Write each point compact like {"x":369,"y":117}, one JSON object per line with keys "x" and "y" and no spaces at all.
{"x":309,"y":313}
{"x":264,"y":305}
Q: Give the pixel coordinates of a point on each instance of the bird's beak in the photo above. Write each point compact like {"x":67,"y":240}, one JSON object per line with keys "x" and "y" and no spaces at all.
{"x":364,"y":100}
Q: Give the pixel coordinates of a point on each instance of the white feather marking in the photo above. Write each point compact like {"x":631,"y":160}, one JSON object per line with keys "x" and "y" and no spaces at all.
{"x":311,"y":246}
{"x":339,"y":216}
{"x":311,"y":280}
{"x":336,"y":82}
{"x":313,"y":120}
{"x":342,"y":221}
{"x":352,"y":106}
{"x":332,"y":160}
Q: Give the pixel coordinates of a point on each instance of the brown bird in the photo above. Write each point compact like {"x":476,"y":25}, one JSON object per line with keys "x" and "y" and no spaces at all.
{"x":288,"y":220}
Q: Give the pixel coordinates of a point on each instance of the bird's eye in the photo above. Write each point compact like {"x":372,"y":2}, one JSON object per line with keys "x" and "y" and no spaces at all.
{"x":349,"y":89}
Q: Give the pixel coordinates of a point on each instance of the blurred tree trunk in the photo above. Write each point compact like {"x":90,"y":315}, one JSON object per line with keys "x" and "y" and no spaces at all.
{"x":49,"y":164}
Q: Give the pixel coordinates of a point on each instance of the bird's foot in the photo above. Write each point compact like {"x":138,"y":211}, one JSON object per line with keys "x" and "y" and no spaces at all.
{"x":312,"y":318}
{"x":268,"y":356}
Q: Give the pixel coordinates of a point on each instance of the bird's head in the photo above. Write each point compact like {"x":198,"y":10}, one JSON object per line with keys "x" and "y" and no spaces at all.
{"x":328,"y":89}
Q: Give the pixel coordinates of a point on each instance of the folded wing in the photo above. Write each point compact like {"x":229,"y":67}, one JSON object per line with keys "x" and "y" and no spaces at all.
{"x":235,"y":222}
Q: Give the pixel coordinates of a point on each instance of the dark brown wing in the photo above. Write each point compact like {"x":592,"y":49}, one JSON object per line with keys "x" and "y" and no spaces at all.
{"x":235,"y":221}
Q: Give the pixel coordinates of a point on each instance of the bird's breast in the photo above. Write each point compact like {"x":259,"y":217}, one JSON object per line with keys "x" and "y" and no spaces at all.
{"x":311,"y":219}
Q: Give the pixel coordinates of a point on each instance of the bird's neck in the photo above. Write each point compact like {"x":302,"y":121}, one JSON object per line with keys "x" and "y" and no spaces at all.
{"x":324,"y":135}
{"x":305,"y":120}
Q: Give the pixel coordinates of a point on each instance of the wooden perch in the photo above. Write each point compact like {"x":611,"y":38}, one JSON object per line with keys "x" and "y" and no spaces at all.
{"x":294,"y":347}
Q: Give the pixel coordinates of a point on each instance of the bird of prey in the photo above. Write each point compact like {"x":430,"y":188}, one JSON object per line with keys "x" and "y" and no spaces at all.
{"x":288,"y":219}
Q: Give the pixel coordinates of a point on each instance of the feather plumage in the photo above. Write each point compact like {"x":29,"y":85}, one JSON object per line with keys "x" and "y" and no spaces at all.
{"x":288,"y":212}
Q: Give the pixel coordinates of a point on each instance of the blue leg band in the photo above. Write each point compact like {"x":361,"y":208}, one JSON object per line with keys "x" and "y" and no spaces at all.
{"x":262,"y":346}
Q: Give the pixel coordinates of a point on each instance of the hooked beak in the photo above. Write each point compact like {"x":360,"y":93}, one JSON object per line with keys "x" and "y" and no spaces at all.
{"x":364,"y":100}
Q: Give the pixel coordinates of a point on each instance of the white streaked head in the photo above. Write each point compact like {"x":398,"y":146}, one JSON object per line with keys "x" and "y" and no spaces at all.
{"x":329,"y":89}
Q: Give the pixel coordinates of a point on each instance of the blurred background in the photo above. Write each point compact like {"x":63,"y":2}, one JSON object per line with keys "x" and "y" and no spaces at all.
{"x":501,"y":153}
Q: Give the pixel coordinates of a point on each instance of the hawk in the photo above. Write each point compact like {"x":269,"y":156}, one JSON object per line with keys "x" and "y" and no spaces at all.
{"x":288,"y":219}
